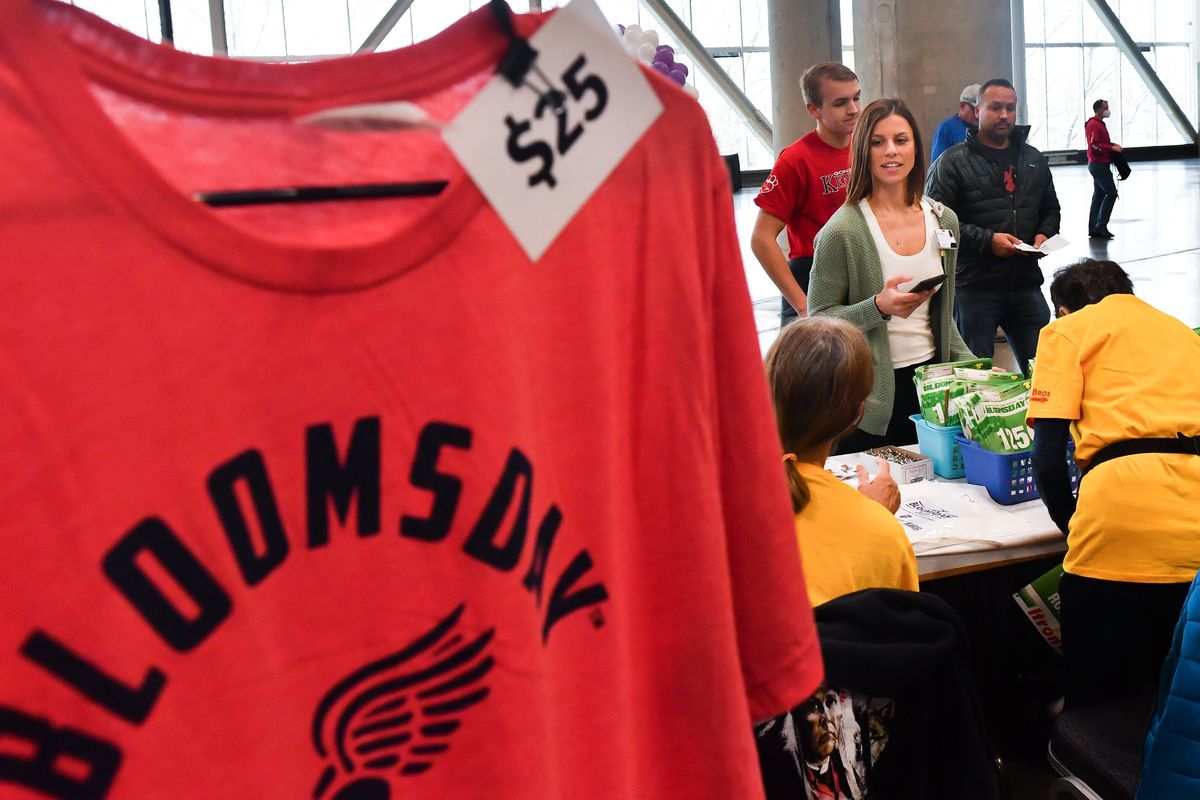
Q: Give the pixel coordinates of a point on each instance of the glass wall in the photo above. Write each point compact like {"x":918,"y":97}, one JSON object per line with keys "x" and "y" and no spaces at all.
{"x":137,"y":16}
{"x":733,"y":31}
{"x":847,"y":7}
{"x":1071,"y":61}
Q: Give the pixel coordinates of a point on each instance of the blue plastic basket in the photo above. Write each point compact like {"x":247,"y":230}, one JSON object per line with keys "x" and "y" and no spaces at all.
{"x":1008,"y":477}
{"x":938,"y":443}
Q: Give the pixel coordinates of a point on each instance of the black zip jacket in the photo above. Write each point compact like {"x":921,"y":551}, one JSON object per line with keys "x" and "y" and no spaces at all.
{"x":967,"y":180}
{"x":910,"y":648}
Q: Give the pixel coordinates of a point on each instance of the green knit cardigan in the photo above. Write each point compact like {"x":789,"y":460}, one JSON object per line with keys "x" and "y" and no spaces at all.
{"x":846,"y":276}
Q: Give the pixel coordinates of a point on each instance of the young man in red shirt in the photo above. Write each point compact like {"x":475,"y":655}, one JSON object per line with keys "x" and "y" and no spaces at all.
{"x":1099,"y":155}
{"x":807,"y":184}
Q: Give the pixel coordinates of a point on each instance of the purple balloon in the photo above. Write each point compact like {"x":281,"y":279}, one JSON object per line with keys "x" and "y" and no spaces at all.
{"x":679,"y":76}
{"x":666,"y":47}
{"x":663,"y":57}
{"x":682,"y":68}
{"x":661,"y":67}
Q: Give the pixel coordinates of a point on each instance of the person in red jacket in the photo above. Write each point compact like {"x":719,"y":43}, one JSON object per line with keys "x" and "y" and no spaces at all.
{"x":807,"y":184}
{"x":1099,"y":155}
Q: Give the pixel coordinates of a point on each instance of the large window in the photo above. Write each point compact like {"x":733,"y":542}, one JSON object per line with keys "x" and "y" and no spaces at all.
{"x":1071,"y":61}
{"x":306,"y":29}
{"x":847,"y":9}
{"x":733,"y":31}
{"x":286,"y":29}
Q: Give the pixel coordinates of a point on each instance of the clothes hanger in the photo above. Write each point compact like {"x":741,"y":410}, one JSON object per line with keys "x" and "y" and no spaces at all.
{"x":514,"y":66}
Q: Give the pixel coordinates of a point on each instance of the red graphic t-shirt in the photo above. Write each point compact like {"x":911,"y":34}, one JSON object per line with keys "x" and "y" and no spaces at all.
{"x":807,"y":184}
{"x":350,"y":499}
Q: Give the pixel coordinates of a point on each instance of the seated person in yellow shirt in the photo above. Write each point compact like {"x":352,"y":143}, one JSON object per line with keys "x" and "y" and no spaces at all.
{"x":820,"y":371}
{"x":1124,"y":380}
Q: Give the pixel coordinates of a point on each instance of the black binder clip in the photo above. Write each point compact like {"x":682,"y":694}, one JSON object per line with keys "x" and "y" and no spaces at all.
{"x":520,"y":59}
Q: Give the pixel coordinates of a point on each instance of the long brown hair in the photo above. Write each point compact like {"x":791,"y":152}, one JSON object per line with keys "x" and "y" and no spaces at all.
{"x":820,"y":371}
{"x":861,"y":182}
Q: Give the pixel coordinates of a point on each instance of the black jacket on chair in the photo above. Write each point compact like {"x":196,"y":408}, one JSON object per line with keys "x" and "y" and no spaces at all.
{"x":912,"y":649}
{"x":967,"y":180}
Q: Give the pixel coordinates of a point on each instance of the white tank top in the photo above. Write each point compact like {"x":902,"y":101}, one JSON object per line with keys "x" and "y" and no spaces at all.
{"x":911,"y":339}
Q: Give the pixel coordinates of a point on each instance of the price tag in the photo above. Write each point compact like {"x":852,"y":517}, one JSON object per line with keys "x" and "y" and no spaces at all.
{"x":537,"y":165}
{"x":945,"y":239}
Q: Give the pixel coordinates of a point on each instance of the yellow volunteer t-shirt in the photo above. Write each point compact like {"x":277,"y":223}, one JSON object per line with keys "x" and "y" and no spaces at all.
{"x":1121,"y":369}
{"x":850,"y":542}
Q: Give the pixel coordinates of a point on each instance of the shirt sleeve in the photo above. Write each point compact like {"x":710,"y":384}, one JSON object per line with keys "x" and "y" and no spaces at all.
{"x":957,"y":347}
{"x":1057,"y":388}
{"x":908,"y":564}
{"x":909,"y":572}
{"x":1097,"y":138}
{"x":1050,"y":211}
{"x":782,"y":190}
{"x":941,"y":140}
{"x":829,"y":284}
{"x":777,"y":640}
{"x":944,"y":185}
{"x":1050,"y":470}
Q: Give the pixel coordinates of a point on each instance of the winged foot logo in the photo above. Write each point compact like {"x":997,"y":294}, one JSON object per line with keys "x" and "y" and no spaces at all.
{"x":393,"y":717}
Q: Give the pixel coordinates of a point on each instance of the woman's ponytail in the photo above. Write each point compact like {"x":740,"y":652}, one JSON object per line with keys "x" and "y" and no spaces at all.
{"x":797,"y":486}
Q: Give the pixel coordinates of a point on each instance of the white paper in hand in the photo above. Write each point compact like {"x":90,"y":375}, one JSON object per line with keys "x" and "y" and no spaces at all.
{"x":1055,"y":242}
{"x":536,"y":167}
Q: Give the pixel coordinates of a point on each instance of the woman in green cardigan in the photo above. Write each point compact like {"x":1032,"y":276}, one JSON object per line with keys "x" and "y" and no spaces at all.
{"x":873,"y":259}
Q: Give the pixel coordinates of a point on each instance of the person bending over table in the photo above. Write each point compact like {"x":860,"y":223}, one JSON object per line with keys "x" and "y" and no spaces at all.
{"x":1123,"y":379}
{"x":870,"y":258}
{"x":820,"y":374}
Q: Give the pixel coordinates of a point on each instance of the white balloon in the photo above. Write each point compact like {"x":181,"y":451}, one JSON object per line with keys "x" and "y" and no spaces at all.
{"x":691,"y":91}
{"x":631,"y":49}
{"x":633,"y":35}
{"x":646,"y":52}
{"x":650,"y":37}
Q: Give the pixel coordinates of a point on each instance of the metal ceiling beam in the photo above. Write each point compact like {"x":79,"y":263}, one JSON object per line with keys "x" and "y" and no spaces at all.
{"x":1018,"y":58}
{"x":1129,"y":47}
{"x":216,"y":17}
{"x":166,"y":23}
{"x":754,"y":119}
{"x":385,"y":26}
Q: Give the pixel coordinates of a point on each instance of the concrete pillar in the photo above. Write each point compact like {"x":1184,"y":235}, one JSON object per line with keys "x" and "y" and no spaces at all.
{"x":801,"y":34}
{"x":1196,"y":55}
{"x":925,"y":53}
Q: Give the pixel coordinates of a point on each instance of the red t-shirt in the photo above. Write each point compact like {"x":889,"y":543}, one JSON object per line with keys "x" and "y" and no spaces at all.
{"x":298,"y":498}
{"x":1099,"y":145}
{"x":807,"y":184}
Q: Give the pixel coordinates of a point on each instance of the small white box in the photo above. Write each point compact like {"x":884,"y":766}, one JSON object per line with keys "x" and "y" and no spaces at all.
{"x":919,"y":469}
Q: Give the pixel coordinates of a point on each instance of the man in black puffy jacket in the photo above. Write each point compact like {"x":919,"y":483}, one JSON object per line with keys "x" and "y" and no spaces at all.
{"x":1003,"y":192}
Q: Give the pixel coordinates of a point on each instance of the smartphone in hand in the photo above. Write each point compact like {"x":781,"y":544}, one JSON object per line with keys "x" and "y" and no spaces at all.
{"x":929,"y":283}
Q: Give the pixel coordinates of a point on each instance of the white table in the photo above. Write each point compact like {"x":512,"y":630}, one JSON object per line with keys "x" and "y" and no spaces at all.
{"x":1016,"y":533}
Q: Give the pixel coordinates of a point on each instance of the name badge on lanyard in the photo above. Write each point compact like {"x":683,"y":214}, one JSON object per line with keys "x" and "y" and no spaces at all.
{"x":946,"y":239}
